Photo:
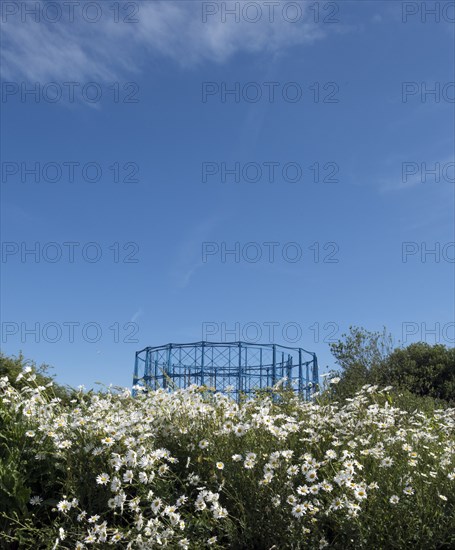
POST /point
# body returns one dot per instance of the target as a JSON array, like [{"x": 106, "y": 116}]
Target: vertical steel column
[
  {"x": 308, "y": 389},
  {"x": 168, "y": 365},
  {"x": 181, "y": 375},
  {"x": 196, "y": 371},
  {"x": 202, "y": 365},
  {"x": 260, "y": 368},
  {"x": 274, "y": 366},
  {"x": 146, "y": 364},
  {"x": 300, "y": 373},
  {"x": 136, "y": 370},
  {"x": 239, "y": 384},
  {"x": 229, "y": 367},
  {"x": 246, "y": 374},
  {"x": 289, "y": 369},
  {"x": 315, "y": 372},
  {"x": 214, "y": 367},
  {"x": 148, "y": 368}
]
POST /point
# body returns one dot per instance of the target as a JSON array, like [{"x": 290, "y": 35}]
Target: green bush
[
  {"x": 13, "y": 369},
  {"x": 422, "y": 369},
  {"x": 192, "y": 469}
]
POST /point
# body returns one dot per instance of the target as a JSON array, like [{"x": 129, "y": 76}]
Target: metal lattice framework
[{"x": 237, "y": 367}]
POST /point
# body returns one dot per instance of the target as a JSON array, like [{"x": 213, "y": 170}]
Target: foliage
[
  {"x": 358, "y": 353},
  {"x": 192, "y": 469},
  {"x": 422, "y": 369},
  {"x": 369, "y": 358},
  {"x": 13, "y": 368}
]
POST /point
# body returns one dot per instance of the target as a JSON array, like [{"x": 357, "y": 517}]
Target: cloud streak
[
  {"x": 413, "y": 174},
  {"x": 106, "y": 50},
  {"x": 188, "y": 258}
]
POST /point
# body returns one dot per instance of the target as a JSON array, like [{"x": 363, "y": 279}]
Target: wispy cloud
[
  {"x": 413, "y": 173},
  {"x": 136, "y": 315},
  {"x": 188, "y": 257},
  {"x": 105, "y": 50}
]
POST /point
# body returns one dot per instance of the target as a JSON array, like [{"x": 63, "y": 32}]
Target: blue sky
[{"x": 353, "y": 248}]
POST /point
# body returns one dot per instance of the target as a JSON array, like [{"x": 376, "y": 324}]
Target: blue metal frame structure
[{"x": 237, "y": 367}]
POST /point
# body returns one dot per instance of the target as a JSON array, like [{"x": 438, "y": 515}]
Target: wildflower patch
[{"x": 188, "y": 469}]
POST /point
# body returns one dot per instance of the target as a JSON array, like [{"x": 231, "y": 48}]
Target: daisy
[
  {"x": 156, "y": 505},
  {"x": 181, "y": 500},
  {"x": 200, "y": 505},
  {"x": 293, "y": 470},
  {"x": 337, "y": 504},
  {"x": 303, "y": 490},
  {"x": 386, "y": 462},
  {"x": 128, "y": 476},
  {"x": 360, "y": 493},
  {"x": 143, "y": 477},
  {"x": 267, "y": 478},
  {"x": 103, "y": 479},
  {"x": 64, "y": 506},
  {"x": 249, "y": 464},
  {"x": 219, "y": 512},
  {"x": 239, "y": 430},
  {"x": 298, "y": 511},
  {"x": 311, "y": 475}
]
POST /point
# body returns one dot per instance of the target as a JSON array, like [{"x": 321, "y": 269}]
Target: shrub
[
  {"x": 369, "y": 358},
  {"x": 192, "y": 469},
  {"x": 422, "y": 369}
]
